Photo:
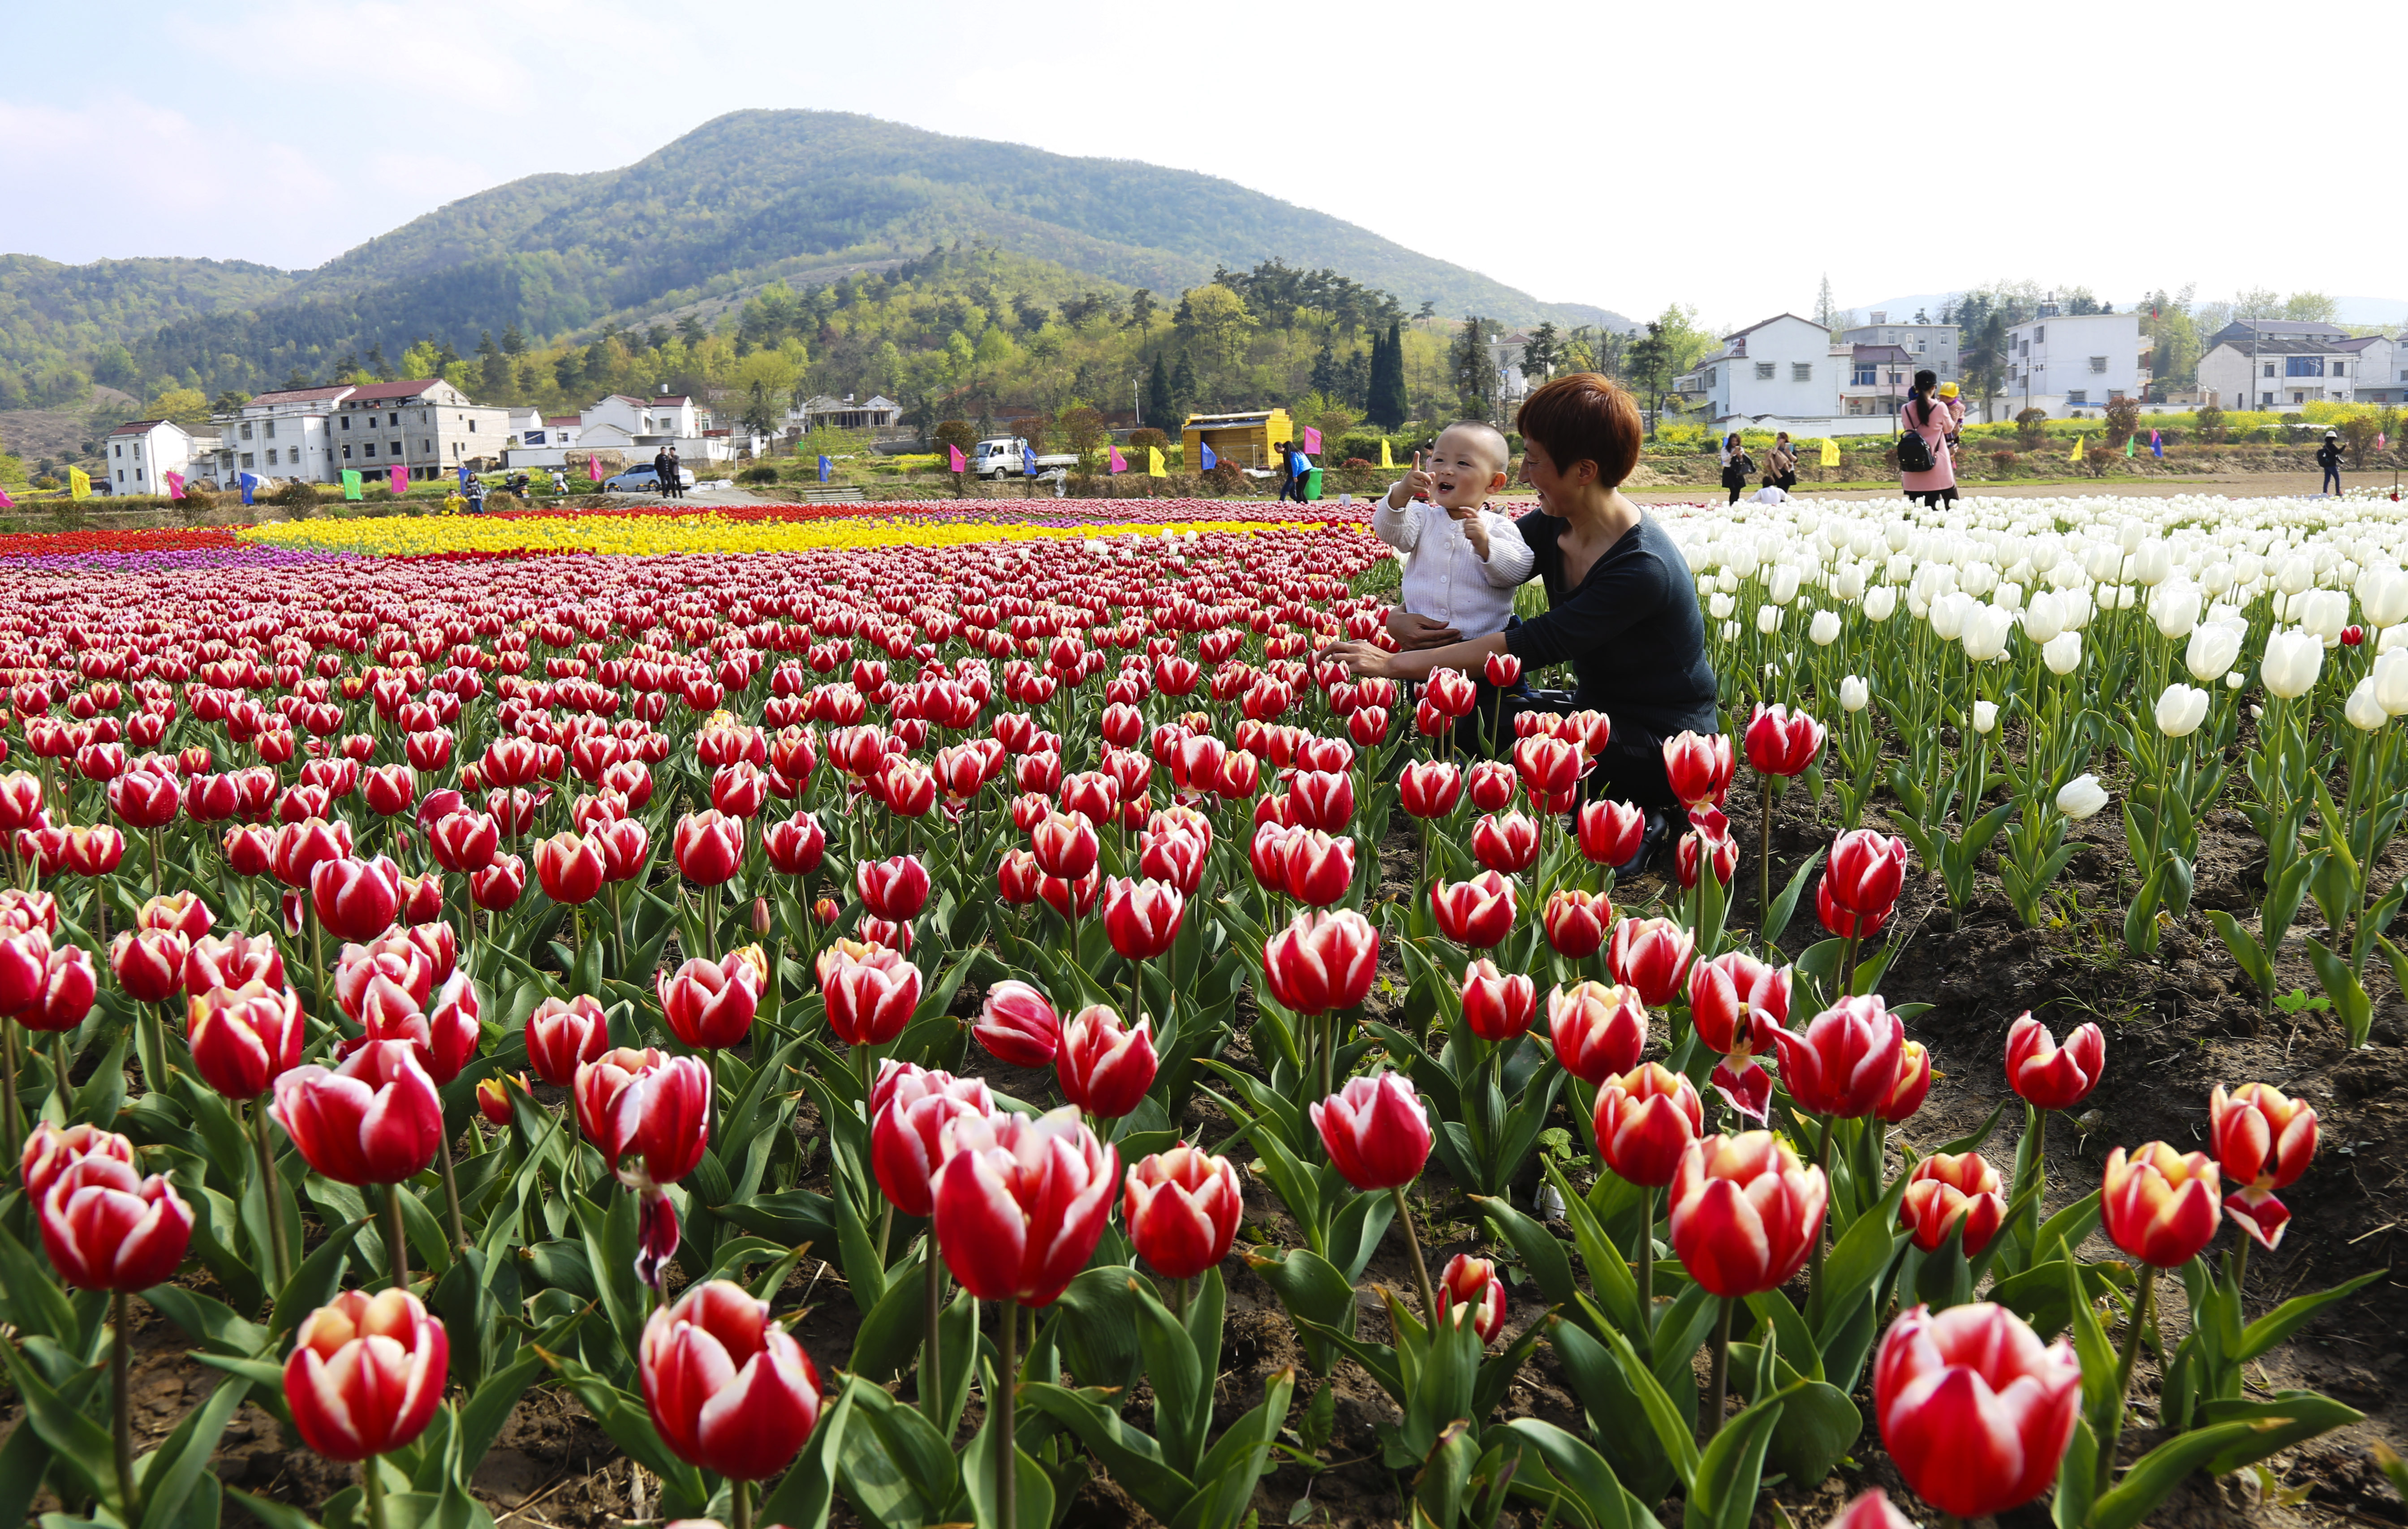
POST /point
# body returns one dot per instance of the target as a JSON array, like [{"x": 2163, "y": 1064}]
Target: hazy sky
[{"x": 1726, "y": 156}]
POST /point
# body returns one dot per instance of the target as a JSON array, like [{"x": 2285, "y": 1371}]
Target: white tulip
[
  {"x": 1720, "y": 605},
  {"x": 2390, "y": 678},
  {"x": 2128, "y": 537},
  {"x": 1986, "y": 717},
  {"x": 2181, "y": 709},
  {"x": 2062, "y": 653},
  {"x": 2234, "y": 680},
  {"x": 1985, "y": 632},
  {"x": 1850, "y": 583},
  {"x": 2324, "y": 613},
  {"x": 2290, "y": 664},
  {"x": 2212, "y": 651},
  {"x": 2295, "y": 573},
  {"x": 1730, "y": 630},
  {"x": 2044, "y": 618},
  {"x": 1768, "y": 619},
  {"x": 2152, "y": 563},
  {"x": 1879, "y": 602},
  {"x": 2364, "y": 711},
  {"x": 2079, "y": 608},
  {"x": 2081, "y": 798},
  {"x": 2384, "y": 595},
  {"x": 1855, "y": 695},
  {"x": 2009, "y": 595},
  {"x": 1948, "y": 614},
  {"x": 1782, "y": 586},
  {"x": 2174, "y": 606},
  {"x": 1825, "y": 628}
]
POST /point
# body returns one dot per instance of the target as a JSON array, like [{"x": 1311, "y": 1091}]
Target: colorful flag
[
  {"x": 249, "y": 482},
  {"x": 2077, "y": 447},
  {"x": 1384, "y": 460},
  {"x": 1116, "y": 462},
  {"x": 79, "y": 484},
  {"x": 1830, "y": 452},
  {"x": 1154, "y": 466},
  {"x": 827, "y": 469},
  {"x": 174, "y": 485},
  {"x": 2156, "y": 447},
  {"x": 1027, "y": 460},
  {"x": 397, "y": 476},
  {"x": 1312, "y": 441},
  {"x": 7, "y": 503},
  {"x": 592, "y": 469},
  {"x": 464, "y": 477},
  {"x": 351, "y": 483},
  {"x": 1211, "y": 461},
  {"x": 955, "y": 461},
  {"x": 2131, "y": 444}
]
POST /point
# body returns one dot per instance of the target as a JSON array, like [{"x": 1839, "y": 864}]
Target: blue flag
[
  {"x": 826, "y": 468},
  {"x": 250, "y": 482},
  {"x": 464, "y": 477},
  {"x": 1028, "y": 460},
  {"x": 1211, "y": 461},
  {"x": 2156, "y": 447}
]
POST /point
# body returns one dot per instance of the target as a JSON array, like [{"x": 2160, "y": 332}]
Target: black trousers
[{"x": 2332, "y": 479}]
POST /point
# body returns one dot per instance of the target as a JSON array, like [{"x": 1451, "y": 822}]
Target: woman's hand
[
  {"x": 1363, "y": 660},
  {"x": 1414, "y": 632}
]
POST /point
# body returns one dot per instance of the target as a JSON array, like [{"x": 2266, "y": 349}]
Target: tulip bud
[
  {"x": 2160, "y": 1205},
  {"x": 366, "y": 1374},
  {"x": 1181, "y": 1208},
  {"x": 1974, "y": 1409},
  {"x": 1376, "y": 1130},
  {"x": 2048, "y": 1076},
  {"x": 106, "y": 1228},
  {"x": 1010, "y": 1234},
  {"x": 1645, "y": 1121},
  {"x": 1104, "y": 1068},
  {"x": 1745, "y": 1213},
  {"x": 1469, "y": 1289}
]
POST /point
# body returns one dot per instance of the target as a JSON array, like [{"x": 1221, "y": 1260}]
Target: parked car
[
  {"x": 643, "y": 480},
  {"x": 999, "y": 457}
]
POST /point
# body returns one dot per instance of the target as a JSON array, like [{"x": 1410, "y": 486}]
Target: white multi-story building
[
  {"x": 284, "y": 433},
  {"x": 2074, "y": 364},
  {"x": 2280, "y": 372},
  {"x": 426, "y": 426},
  {"x": 1781, "y": 367},
  {"x": 2378, "y": 369},
  {"x": 1927, "y": 344},
  {"x": 139, "y": 454}
]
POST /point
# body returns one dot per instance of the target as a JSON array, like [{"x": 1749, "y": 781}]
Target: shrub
[
  {"x": 1146, "y": 435},
  {"x": 2002, "y": 463},
  {"x": 2211, "y": 423},
  {"x": 2123, "y": 418},
  {"x": 297, "y": 499},
  {"x": 2031, "y": 428},
  {"x": 765, "y": 473},
  {"x": 959, "y": 434},
  {"x": 1356, "y": 465},
  {"x": 1224, "y": 480}
]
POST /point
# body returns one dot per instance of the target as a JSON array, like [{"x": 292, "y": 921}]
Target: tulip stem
[
  {"x": 1717, "y": 1371},
  {"x": 743, "y": 1503},
  {"x": 1413, "y": 1245},
  {"x": 8, "y": 1115},
  {"x": 1763, "y": 853},
  {"x": 397, "y": 1240},
  {"x": 1001, "y": 1405},
  {"x": 121, "y": 1402},
  {"x": 270, "y": 1191},
  {"x": 932, "y": 1367},
  {"x": 451, "y": 1194},
  {"x": 1815, "y": 1273},
  {"x": 1647, "y": 1262},
  {"x": 60, "y": 1063},
  {"x": 2143, "y": 1317}
]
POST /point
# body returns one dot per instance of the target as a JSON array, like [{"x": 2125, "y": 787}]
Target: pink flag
[
  {"x": 1312, "y": 441},
  {"x": 592, "y": 469},
  {"x": 955, "y": 461},
  {"x": 174, "y": 485},
  {"x": 7, "y": 503},
  {"x": 2378, "y": 442},
  {"x": 399, "y": 478},
  {"x": 1119, "y": 463}
]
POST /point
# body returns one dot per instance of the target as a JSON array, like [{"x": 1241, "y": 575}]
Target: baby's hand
[
  {"x": 1475, "y": 531},
  {"x": 1416, "y": 485}
]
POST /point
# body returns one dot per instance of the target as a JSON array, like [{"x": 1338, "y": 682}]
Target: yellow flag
[
  {"x": 1154, "y": 466},
  {"x": 1830, "y": 452},
  {"x": 79, "y": 483},
  {"x": 2077, "y": 447},
  {"x": 1385, "y": 461}
]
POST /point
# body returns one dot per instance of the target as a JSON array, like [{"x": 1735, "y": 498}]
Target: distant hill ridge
[{"x": 743, "y": 199}]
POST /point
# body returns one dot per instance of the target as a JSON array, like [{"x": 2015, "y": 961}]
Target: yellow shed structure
[{"x": 1244, "y": 440}]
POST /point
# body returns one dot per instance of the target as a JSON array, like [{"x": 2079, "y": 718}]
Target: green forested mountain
[
  {"x": 64, "y": 327},
  {"x": 749, "y": 198}
]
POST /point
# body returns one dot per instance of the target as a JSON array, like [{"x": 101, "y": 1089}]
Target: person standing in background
[
  {"x": 1781, "y": 465},
  {"x": 2328, "y": 458},
  {"x": 1928, "y": 471},
  {"x": 1737, "y": 465}
]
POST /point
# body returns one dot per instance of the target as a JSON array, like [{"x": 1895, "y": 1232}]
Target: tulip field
[{"x": 892, "y": 1015}]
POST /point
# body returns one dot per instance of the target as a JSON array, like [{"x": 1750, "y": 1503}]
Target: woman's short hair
[{"x": 1584, "y": 417}]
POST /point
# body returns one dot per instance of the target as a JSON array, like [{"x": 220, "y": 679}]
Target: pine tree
[
  {"x": 1475, "y": 373},
  {"x": 1182, "y": 384},
  {"x": 513, "y": 343},
  {"x": 1387, "y": 405},
  {"x": 1827, "y": 312},
  {"x": 1159, "y": 406},
  {"x": 1325, "y": 371}
]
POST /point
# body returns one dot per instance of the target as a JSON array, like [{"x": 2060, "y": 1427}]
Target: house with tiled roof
[{"x": 138, "y": 456}]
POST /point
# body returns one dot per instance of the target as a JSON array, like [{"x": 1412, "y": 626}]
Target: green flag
[
  {"x": 350, "y": 484},
  {"x": 2129, "y": 441}
]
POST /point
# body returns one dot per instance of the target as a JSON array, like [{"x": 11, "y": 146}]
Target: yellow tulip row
[{"x": 420, "y": 536}]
